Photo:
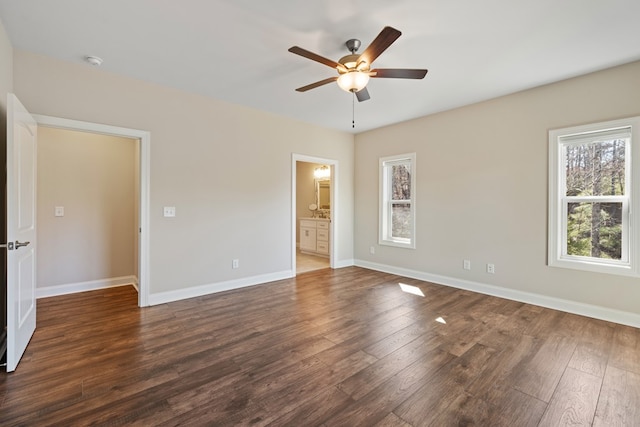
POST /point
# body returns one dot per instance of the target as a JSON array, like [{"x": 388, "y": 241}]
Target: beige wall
[
  {"x": 226, "y": 169},
  {"x": 6, "y": 76},
  {"x": 93, "y": 177},
  {"x": 481, "y": 170},
  {"x": 482, "y": 188}
]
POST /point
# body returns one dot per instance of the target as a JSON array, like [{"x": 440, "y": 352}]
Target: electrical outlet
[
  {"x": 169, "y": 211},
  {"x": 235, "y": 263},
  {"x": 466, "y": 264},
  {"x": 491, "y": 268},
  {"x": 372, "y": 250}
]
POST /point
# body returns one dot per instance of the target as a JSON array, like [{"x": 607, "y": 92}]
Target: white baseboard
[
  {"x": 594, "y": 311},
  {"x": 72, "y": 288},
  {"x": 198, "y": 291},
  {"x": 344, "y": 263},
  {"x": 589, "y": 310}
]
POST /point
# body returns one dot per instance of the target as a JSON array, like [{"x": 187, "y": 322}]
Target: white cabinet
[
  {"x": 314, "y": 236},
  {"x": 307, "y": 237}
]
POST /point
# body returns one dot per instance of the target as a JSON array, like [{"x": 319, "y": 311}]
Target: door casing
[
  {"x": 333, "y": 164},
  {"x": 145, "y": 148}
]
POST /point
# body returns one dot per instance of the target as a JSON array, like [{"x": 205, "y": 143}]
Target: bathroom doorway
[{"x": 314, "y": 213}]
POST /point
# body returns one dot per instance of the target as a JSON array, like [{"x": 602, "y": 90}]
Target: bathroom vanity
[{"x": 314, "y": 236}]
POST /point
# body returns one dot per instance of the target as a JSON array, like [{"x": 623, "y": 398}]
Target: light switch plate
[
  {"x": 59, "y": 211},
  {"x": 169, "y": 211}
]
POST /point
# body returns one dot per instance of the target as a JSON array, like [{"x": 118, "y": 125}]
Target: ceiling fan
[{"x": 355, "y": 70}]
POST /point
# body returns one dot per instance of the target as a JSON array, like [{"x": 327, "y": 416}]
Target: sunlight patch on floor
[{"x": 411, "y": 289}]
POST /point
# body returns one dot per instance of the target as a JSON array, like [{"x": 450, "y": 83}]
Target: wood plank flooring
[{"x": 329, "y": 348}]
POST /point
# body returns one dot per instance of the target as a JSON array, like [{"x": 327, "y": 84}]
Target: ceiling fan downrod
[{"x": 353, "y": 45}]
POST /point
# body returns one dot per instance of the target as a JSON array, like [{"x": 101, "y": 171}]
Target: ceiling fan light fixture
[
  {"x": 354, "y": 70},
  {"x": 353, "y": 81}
]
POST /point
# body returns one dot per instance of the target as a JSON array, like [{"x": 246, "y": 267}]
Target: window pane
[
  {"x": 401, "y": 220},
  {"x": 401, "y": 182},
  {"x": 595, "y": 230},
  {"x": 596, "y": 168}
]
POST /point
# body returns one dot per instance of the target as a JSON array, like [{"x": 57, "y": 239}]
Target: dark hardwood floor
[{"x": 332, "y": 347}]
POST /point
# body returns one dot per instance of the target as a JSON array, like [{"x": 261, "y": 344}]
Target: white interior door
[{"x": 21, "y": 229}]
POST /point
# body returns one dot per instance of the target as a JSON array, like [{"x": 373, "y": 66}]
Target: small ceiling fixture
[
  {"x": 322, "y": 172},
  {"x": 93, "y": 60}
]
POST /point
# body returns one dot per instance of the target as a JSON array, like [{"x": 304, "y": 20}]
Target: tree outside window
[
  {"x": 595, "y": 173},
  {"x": 397, "y": 204},
  {"x": 591, "y": 197}
]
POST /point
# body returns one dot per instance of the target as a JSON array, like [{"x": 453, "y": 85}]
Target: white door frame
[
  {"x": 333, "y": 195},
  {"x": 145, "y": 143}
]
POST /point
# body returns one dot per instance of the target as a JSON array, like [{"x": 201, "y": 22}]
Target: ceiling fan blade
[
  {"x": 386, "y": 37},
  {"x": 316, "y": 84},
  {"x": 398, "y": 73},
  {"x": 315, "y": 57},
  {"x": 362, "y": 94}
]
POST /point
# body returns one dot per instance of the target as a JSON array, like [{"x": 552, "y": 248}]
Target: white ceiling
[{"x": 236, "y": 50}]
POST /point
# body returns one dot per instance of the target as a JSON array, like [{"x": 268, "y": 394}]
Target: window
[
  {"x": 592, "y": 197},
  {"x": 397, "y": 201}
]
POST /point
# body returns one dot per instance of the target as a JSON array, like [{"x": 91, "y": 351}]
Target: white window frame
[
  {"x": 384, "y": 235},
  {"x": 559, "y": 139}
]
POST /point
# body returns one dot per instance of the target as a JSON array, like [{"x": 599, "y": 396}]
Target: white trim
[
  {"x": 334, "y": 223},
  {"x": 145, "y": 180},
  {"x": 73, "y": 288},
  {"x": 344, "y": 263},
  {"x": 582, "y": 309},
  {"x": 385, "y": 215},
  {"x": 202, "y": 290},
  {"x": 556, "y": 241}
]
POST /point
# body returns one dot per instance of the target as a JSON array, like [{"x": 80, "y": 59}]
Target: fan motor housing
[
  {"x": 353, "y": 45},
  {"x": 351, "y": 62}
]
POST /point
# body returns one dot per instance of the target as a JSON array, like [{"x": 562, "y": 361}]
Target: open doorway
[
  {"x": 313, "y": 213},
  {"x": 87, "y": 210},
  {"x": 141, "y": 140}
]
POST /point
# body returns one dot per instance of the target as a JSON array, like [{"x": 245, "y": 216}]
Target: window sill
[
  {"x": 595, "y": 267},
  {"x": 397, "y": 244}
]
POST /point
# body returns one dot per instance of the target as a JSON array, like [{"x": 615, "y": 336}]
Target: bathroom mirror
[{"x": 323, "y": 194}]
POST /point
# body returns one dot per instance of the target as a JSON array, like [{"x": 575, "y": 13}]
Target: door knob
[{"x": 20, "y": 244}]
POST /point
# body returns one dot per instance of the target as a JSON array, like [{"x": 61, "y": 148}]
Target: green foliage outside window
[
  {"x": 401, "y": 195},
  {"x": 594, "y": 229}
]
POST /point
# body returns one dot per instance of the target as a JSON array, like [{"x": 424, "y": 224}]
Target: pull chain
[{"x": 353, "y": 111}]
